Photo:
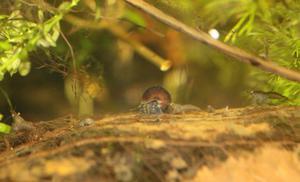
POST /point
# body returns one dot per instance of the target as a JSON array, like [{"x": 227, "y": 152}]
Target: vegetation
[
  {"x": 20, "y": 36},
  {"x": 81, "y": 59},
  {"x": 266, "y": 28},
  {"x": 271, "y": 29}
]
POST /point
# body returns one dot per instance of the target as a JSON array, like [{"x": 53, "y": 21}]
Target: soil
[{"x": 242, "y": 144}]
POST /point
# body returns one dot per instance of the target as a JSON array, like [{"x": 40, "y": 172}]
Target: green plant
[
  {"x": 19, "y": 36},
  {"x": 268, "y": 27},
  {"x": 4, "y": 128}
]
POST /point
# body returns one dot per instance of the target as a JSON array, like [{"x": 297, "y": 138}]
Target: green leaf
[
  {"x": 3, "y": 17},
  {"x": 134, "y": 18},
  {"x": 4, "y": 128},
  {"x": 5, "y": 45},
  {"x": 24, "y": 68},
  {"x": 66, "y": 6}
]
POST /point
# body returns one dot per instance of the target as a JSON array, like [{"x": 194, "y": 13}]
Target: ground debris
[{"x": 192, "y": 146}]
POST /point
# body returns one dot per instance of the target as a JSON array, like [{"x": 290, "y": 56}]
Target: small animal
[
  {"x": 262, "y": 98},
  {"x": 155, "y": 100},
  {"x": 20, "y": 124}
]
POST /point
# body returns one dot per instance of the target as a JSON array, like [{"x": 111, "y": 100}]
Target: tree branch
[
  {"x": 203, "y": 37},
  {"x": 162, "y": 63}
]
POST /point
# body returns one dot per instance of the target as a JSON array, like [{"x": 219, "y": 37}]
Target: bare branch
[{"x": 203, "y": 37}]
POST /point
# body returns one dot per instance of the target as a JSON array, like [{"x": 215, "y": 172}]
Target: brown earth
[{"x": 243, "y": 144}]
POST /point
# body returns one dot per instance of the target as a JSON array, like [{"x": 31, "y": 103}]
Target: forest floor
[{"x": 242, "y": 144}]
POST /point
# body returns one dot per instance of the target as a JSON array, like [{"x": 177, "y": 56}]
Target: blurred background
[{"x": 98, "y": 64}]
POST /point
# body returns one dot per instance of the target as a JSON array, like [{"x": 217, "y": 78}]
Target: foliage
[
  {"x": 271, "y": 27},
  {"x": 267, "y": 28},
  {"x": 4, "y": 128},
  {"x": 19, "y": 36}
]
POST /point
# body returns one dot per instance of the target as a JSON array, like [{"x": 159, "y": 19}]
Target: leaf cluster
[{"x": 19, "y": 36}]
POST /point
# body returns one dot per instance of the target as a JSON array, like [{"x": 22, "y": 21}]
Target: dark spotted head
[
  {"x": 151, "y": 107},
  {"x": 156, "y": 99}
]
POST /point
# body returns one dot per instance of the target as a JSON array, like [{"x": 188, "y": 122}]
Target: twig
[
  {"x": 7, "y": 99},
  {"x": 203, "y": 37},
  {"x": 163, "y": 64},
  {"x": 71, "y": 51}
]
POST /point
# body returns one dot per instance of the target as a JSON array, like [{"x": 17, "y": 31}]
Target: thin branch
[
  {"x": 162, "y": 63},
  {"x": 203, "y": 37},
  {"x": 144, "y": 51},
  {"x": 71, "y": 51},
  {"x": 7, "y": 99}
]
